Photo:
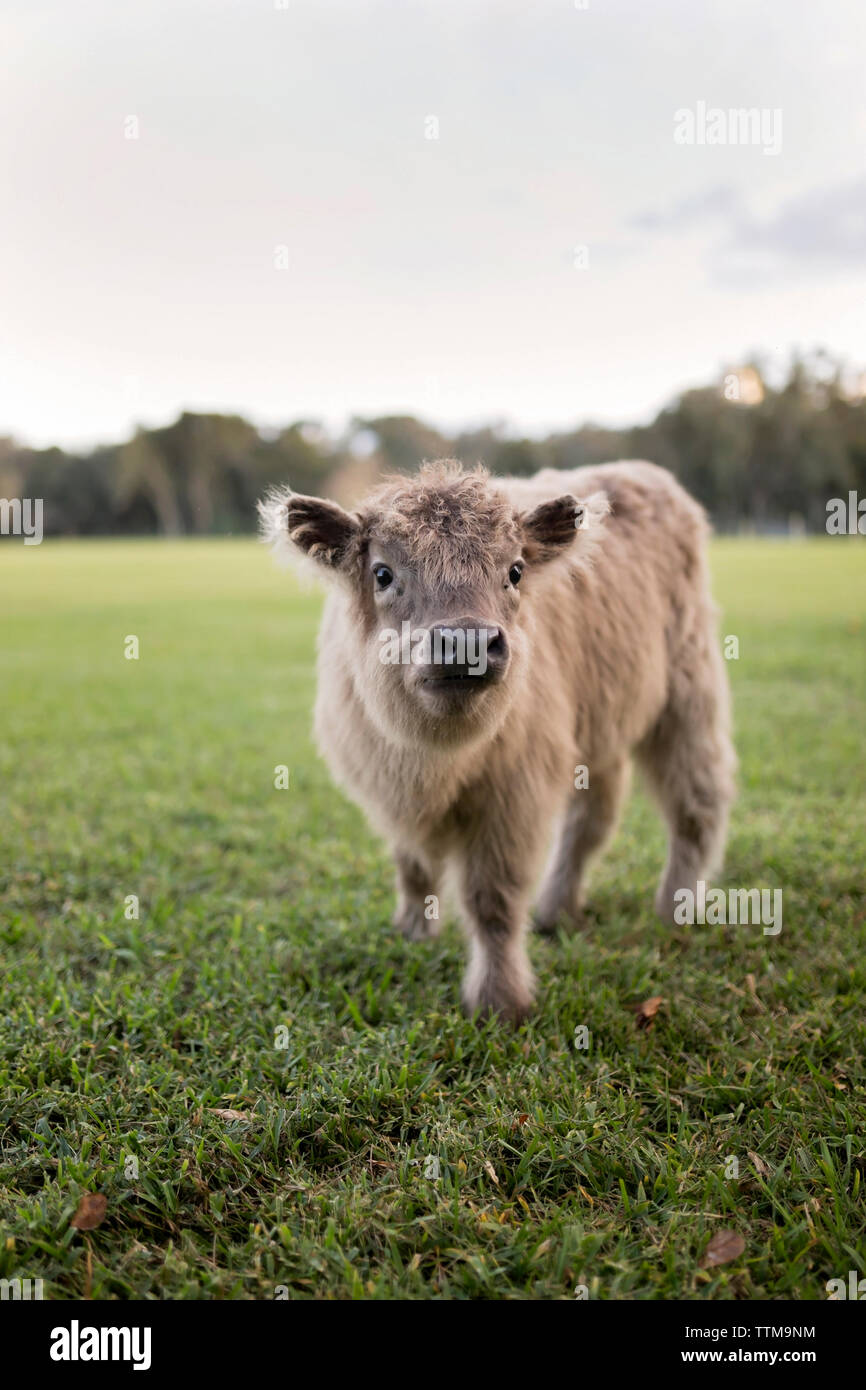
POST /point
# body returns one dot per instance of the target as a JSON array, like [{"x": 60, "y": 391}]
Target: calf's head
[{"x": 436, "y": 579}]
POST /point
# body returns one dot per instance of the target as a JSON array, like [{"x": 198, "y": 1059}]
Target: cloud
[
  {"x": 824, "y": 227},
  {"x": 721, "y": 201},
  {"x": 819, "y": 232}
]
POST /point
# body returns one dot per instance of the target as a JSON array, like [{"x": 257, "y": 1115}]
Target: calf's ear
[
  {"x": 308, "y": 526},
  {"x": 553, "y": 526}
]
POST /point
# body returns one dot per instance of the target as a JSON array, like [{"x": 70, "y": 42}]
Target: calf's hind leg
[
  {"x": 588, "y": 822},
  {"x": 690, "y": 763}
]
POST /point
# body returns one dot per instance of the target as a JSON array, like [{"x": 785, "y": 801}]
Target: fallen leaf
[
  {"x": 488, "y": 1168},
  {"x": 646, "y": 1012},
  {"x": 724, "y": 1247},
  {"x": 760, "y": 1166},
  {"x": 91, "y": 1212},
  {"x": 231, "y": 1114}
]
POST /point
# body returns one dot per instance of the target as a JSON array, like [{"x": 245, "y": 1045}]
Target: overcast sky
[{"x": 439, "y": 276}]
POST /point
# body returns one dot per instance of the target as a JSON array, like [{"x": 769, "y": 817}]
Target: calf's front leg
[
  {"x": 499, "y": 978},
  {"x": 417, "y": 913}
]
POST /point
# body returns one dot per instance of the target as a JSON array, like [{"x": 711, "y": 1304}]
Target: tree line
[{"x": 757, "y": 454}]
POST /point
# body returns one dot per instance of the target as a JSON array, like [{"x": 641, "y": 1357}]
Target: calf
[{"x": 484, "y": 637}]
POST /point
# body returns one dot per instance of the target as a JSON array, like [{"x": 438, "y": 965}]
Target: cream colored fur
[{"x": 614, "y": 656}]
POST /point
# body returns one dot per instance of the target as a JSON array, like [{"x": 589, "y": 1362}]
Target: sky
[{"x": 467, "y": 211}]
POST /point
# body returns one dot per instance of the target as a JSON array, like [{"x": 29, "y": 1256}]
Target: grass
[{"x": 262, "y": 976}]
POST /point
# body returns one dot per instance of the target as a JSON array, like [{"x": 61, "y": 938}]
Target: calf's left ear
[
  {"x": 308, "y": 526},
  {"x": 553, "y": 526}
]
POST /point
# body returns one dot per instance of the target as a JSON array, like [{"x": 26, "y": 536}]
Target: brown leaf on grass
[
  {"x": 231, "y": 1114},
  {"x": 760, "y": 1166},
  {"x": 646, "y": 1012},
  {"x": 91, "y": 1212},
  {"x": 724, "y": 1247}
]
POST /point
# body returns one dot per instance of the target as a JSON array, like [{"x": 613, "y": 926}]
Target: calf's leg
[
  {"x": 417, "y": 913},
  {"x": 495, "y": 884},
  {"x": 589, "y": 821},
  {"x": 690, "y": 764}
]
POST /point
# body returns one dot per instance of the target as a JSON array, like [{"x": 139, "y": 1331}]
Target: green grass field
[{"x": 264, "y": 920}]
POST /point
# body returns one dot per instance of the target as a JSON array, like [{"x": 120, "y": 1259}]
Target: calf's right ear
[{"x": 308, "y": 526}]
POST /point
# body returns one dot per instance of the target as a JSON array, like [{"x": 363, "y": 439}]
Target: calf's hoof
[
  {"x": 669, "y": 899},
  {"x": 548, "y": 924},
  {"x": 496, "y": 1001},
  {"x": 412, "y": 923}
]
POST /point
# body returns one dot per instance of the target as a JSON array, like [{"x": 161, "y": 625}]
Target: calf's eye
[
  {"x": 382, "y": 575},
  {"x": 514, "y": 574}
]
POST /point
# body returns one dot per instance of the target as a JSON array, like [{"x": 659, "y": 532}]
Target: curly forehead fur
[{"x": 447, "y": 521}]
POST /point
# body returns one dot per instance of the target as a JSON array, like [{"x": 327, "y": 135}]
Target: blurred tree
[{"x": 752, "y": 452}]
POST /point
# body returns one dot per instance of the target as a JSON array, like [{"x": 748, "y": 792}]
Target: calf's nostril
[{"x": 496, "y": 644}]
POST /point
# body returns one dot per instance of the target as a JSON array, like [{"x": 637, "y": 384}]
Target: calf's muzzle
[{"x": 469, "y": 651}]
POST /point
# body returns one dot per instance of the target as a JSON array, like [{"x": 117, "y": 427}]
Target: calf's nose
[{"x": 470, "y": 647}]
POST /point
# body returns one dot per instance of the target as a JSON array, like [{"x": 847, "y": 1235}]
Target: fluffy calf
[{"x": 482, "y": 639}]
